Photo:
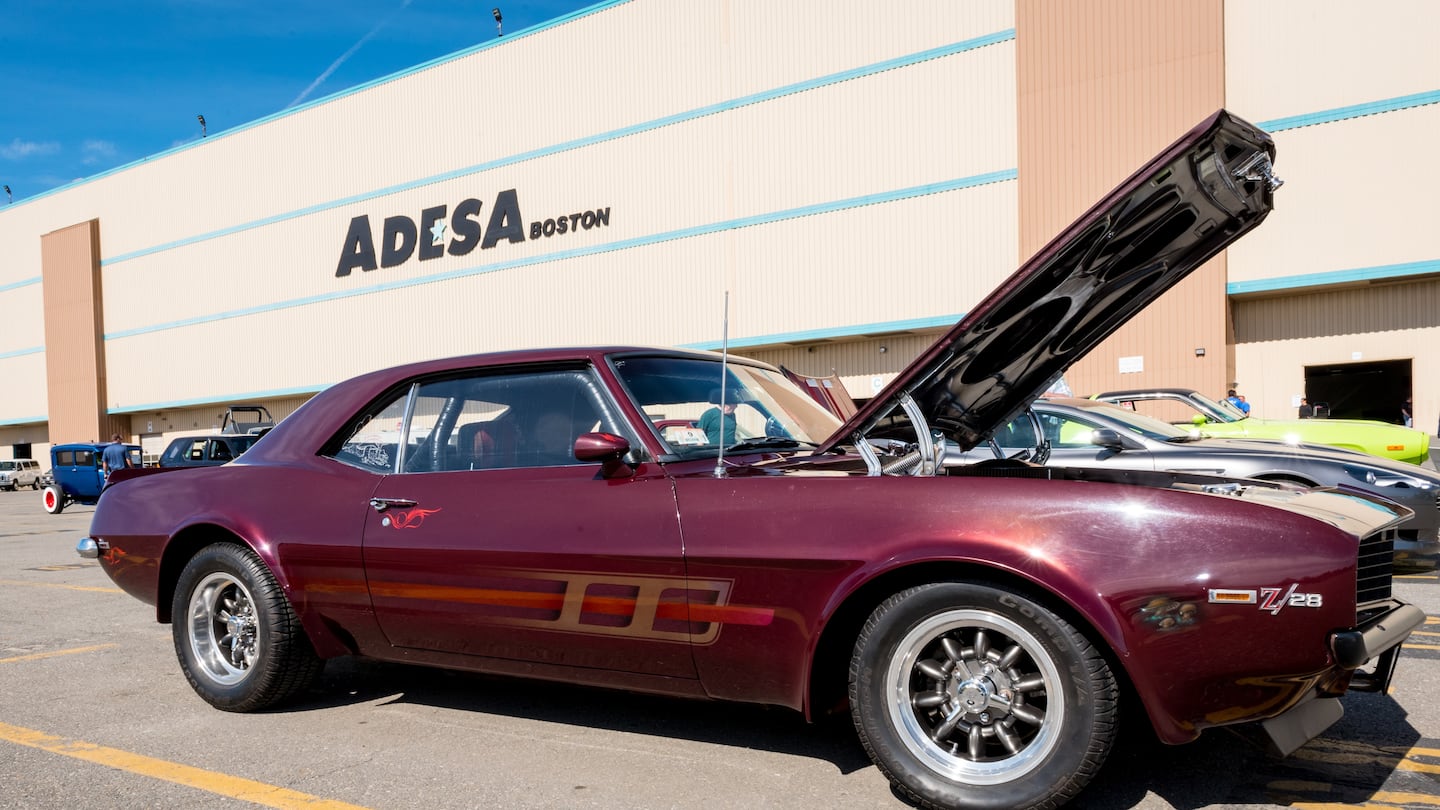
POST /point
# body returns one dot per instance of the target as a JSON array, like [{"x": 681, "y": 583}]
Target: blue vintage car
[{"x": 77, "y": 474}]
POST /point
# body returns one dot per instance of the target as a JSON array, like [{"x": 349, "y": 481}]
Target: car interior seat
[{"x": 488, "y": 445}]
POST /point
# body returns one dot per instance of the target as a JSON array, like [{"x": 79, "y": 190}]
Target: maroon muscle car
[{"x": 521, "y": 513}]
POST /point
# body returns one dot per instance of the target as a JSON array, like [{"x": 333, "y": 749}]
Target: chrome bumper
[
  {"x": 88, "y": 548},
  {"x": 1379, "y": 637}
]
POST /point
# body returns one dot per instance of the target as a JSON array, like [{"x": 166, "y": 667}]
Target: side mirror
[
  {"x": 1197, "y": 419},
  {"x": 1107, "y": 438},
  {"x": 606, "y": 448}
]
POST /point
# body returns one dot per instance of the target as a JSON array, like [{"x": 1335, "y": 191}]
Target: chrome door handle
[{"x": 381, "y": 504}]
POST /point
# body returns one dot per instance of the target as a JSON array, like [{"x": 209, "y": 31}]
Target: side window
[
  {"x": 219, "y": 451},
  {"x": 197, "y": 450},
  {"x": 65, "y": 458},
  {"x": 85, "y": 458},
  {"x": 1016, "y": 436},
  {"x": 480, "y": 422},
  {"x": 1069, "y": 432},
  {"x": 518, "y": 420},
  {"x": 374, "y": 444}
]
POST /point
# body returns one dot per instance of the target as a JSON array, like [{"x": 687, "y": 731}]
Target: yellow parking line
[
  {"x": 1405, "y": 799},
  {"x": 233, "y": 787},
  {"x": 1422, "y": 646},
  {"x": 96, "y": 588},
  {"x": 53, "y": 653}
]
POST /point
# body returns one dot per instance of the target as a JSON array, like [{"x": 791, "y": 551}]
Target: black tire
[
  {"x": 35, "y": 485},
  {"x": 53, "y": 499},
  {"x": 980, "y": 667},
  {"x": 239, "y": 642}
]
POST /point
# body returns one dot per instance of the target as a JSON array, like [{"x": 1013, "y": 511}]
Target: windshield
[
  {"x": 682, "y": 396},
  {"x": 7, "y": 465},
  {"x": 1216, "y": 411}
]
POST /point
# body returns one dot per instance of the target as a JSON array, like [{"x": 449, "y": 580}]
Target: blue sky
[{"x": 87, "y": 86}]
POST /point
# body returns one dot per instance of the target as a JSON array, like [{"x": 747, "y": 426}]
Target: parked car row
[
  {"x": 1220, "y": 419},
  {"x": 1092, "y": 434}
]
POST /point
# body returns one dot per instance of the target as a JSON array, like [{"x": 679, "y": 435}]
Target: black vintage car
[{"x": 205, "y": 451}]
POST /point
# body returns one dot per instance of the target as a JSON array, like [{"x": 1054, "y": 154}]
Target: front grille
[{"x": 1372, "y": 575}]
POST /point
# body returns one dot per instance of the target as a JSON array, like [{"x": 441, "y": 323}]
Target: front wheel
[
  {"x": 238, "y": 640},
  {"x": 53, "y": 499},
  {"x": 972, "y": 696}
]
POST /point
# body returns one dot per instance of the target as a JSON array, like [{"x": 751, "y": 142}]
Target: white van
[{"x": 20, "y": 472}]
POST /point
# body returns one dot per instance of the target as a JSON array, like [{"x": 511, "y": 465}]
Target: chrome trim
[{"x": 88, "y": 548}]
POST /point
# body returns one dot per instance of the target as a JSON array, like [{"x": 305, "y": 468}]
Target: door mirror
[
  {"x": 606, "y": 448},
  {"x": 1107, "y": 438}
]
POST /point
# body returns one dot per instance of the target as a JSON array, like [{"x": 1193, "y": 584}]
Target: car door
[{"x": 494, "y": 541}]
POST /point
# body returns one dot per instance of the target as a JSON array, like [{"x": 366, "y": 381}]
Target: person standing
[
  {"x": 1238, "y": 401},
  {"x": 719, "y": 421},
  {"x": 1405, "y": 415},
  {"x": 114, "y": 456}
]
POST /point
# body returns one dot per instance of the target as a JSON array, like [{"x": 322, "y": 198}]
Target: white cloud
[
  {"x": 19, "y": 150},
  {"x": 304, "y": 94},
  {"x": 97, "y": 152}
]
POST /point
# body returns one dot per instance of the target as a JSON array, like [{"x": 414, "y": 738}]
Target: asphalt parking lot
[{"x": 94, "y": 713}]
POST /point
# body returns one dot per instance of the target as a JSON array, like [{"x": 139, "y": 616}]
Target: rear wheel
[
  {"x": 970, "y": 696},
  {"x": 53, "y": 500},
  {"x": 238, "y": 640}
]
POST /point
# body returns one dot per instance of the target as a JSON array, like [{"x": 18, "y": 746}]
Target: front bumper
[{"x": 1379, "y": 637}]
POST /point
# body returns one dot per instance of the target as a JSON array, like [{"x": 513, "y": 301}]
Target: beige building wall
[
  {"x": 1277, "y": 337},
  {"x": 864, "y": 190},
  {"x": 1102, "y": 86},
  {"x": 1345, "y": 269},
  {"x": 700, "y": 201},
  {"x": 75, "y": 363}
]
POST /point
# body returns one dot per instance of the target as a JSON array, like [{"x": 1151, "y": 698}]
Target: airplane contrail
[{"x": 343, "y": 57}]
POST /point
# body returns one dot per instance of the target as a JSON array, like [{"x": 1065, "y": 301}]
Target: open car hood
[{"x": 1184, "y": 206}]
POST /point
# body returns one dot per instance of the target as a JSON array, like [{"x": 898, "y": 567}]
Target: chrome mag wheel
[
  {"x": 971, "y": 693},
  {"x": 225, "y": 637}
]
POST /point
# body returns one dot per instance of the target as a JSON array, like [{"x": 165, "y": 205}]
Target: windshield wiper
[{"x": 768, "y": 441}]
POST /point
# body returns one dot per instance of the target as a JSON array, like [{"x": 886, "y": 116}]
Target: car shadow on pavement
[
  {"x": 1347, "y": 764},
  {"x": 348, "y": 681}
]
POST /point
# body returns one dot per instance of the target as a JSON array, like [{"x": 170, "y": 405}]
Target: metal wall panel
[
  {"x": 1298, "y": 57},
  {"x": 22, "y": 354},
  {"x": 75, "y": 362},
  {"x": 1102, "y": 86},
  {"x": 1276, "y": 338},
  {"x": 1358, "y": 194},
  {"x": 698, "y": 206}
]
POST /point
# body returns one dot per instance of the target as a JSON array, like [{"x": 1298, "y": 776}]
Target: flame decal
[{"x": 409, "y": 519}]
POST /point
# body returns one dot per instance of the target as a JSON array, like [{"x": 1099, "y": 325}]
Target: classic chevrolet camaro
[{"x": 523, "y": 513}]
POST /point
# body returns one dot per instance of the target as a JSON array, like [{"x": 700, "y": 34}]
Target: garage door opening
[{"x": 1360, "y": 390}]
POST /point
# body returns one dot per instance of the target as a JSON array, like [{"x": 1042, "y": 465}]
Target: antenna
[{"x": 724, "y": 375}]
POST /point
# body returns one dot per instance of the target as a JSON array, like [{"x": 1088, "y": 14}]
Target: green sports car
[{"x": 1223, "y": 420}]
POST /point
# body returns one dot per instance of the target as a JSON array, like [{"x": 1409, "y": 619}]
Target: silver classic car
[{"x": 1090, "y": 433}]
